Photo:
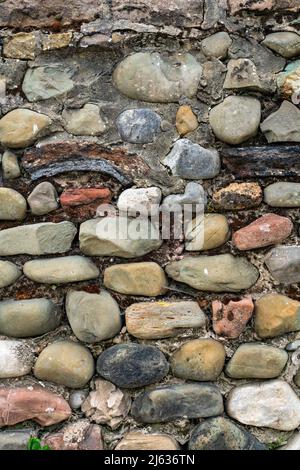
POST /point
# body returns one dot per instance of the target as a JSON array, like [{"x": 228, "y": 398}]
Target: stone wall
[{"x": 149, "y": 343}]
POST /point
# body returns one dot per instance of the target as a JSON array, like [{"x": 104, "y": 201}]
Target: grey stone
[
  {"x": 293, "y": 346},
  {"x": 257, "y": 361},
  {"x": 42, "y": 83},
  {"x": 140, "y": 200},
  {"x": 16, "y": 359},
  {"x": 37, "y": 239},
  {"x": 219, "y": 273},
  {"x": 93, "y": 317},
  {"x": 193, "y": 194},
  {"x": 283, "y": 125},
  {"x": 110, "y": 236},
  {"x": 12, "y": 205},
  {"x": 13, "y": 71},
  {"x": 282, "y": 194},
  {"x": 9, "y": 273},
  {"x": 138, "y": 126},
  {"x": 84, "y": 121},
  {"x": 16, "y": 439},
  {"x": 242, "y": 75},
  {"x": 77, "y": 398},
  {"x": 217, "y": 45},
  {"x": 10, "y": 165},
  {"x": 43, "y": 199},
  {"x": 131, "y": 365},
  {"x": 285, "y": 43},
  {"x": 171, "y": 402},
  {"x": 191, "y": 161},
  {"x": 61, "y": 270},
  {"x": 25, "y": 318},
  {"x": 236, "y": 119},
  {"x": 158, "y": 78},
  {"x": 222, "y": 434},
  {"x": 271, "y": 404},
  {"x": 293, "y": 443},
  {"x": 283, "y": 262}
]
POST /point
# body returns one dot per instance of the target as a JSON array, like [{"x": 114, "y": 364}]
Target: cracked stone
[{"x": 242, "y": 75}]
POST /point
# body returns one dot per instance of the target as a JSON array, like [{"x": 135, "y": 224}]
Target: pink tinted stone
[
  {"x": 81, "y": 435},
  {"x": 21, "y": 404},
  {"x": 270, "y": 229},
  {"x": 262, "y": 5},
  {"x": 231, "y": 319}
]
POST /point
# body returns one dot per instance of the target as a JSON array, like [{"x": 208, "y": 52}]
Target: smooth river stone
[
  {"x": 65, "y": 363},
  {"x": 9, "y": 273},
  {"x": 270, "y": 229},
  {"x": 43, "y": 199},
  {"x": 26, "y": 318},
  {"x": 146, "y": 278},
  {"x": 93, "y": 317},
  {"x": 42, "y": 83},
  {"x": 257, "y": 361},
  {"x": 118, "y": 236},
  {"x": 61, "y": 270},
  {"x": 216, "y": 45},
  {"x": 285, "y": 43},
  {"x": 137, "y": 440},
  {"x": 21, "y": 127},
  {"x": 138, "y": 126},
  {"x": 16, "y": 358},
  {"x": 219, "y": 273},
  {"x": 238, "y": 196},
  {"x": 170, "y": 402},
  {"x": 131, "y": 365},
  {"x": 230, "y": 319},
  {"x": 275, "y": 315},
  {"x": 10, "y": 165},
  {"x": 236, "y": 120},
  {"x": 282, "y": 194},
  {"x": 158, "y": 78},
  {"x": 206, "y": 232},
  {"x": 222, "y": 434},
  {"x": 163, "y": 319},
  {"x": 283, "y": 262},
  {"x": 12, "y": 205},
  {"x": 271, "y": 404},
  {"x": 199, "y": 359}
]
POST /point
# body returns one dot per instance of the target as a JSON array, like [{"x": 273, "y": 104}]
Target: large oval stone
[
  {"x": 93, "y": 317},
  {"x": 132, "y": 365},
  {"x": 65, "y": 363},
  {"x": 256, "y": 361},
  {"x": 276, "y": 315},
  {"x": 220, "y": 273},
  {"x": 9, "y": 273},
  {"x": 12, "y": 205},
  {"x": 21, "y": 127},
  {"x": 238, "y": 196},
  {"x": 138, "y": 126},
  {"x": 282, "y": 194},
  {"x": 171, "y": 402},
  {"x": 206, "y": 232},
  {"x": 283, "y": 262},
  {"x": 271, "y": 404},
  {"x": 16, "y": 358},
  {"x": 25, "y": 318},
  {"x": 158, "y": 78}
]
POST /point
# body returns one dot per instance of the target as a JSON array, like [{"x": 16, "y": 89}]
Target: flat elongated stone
[
  {"x": 297, "y": 378},
  {"x": 170, "y": 402},
  {"x": 256, "y": 361},
  {"x": 25, "y": 318},
  {"x": 262, "y": 5},
  {"x": 271, "y": 404},
  {"x": 21, "y": 46},
  {"x": 199, "y": 359},
  {"x": 238, "y": 196},
  {"x": 43, "y": 199},
  {"x": 61, "y": 270},
  {"x": 191, "y": 161},
  {"x": 139, "y": 126},
  {"x": 284, "y": 43},
  {"x": 42, "y": 83},
  {"x": 10, "y": 165},
  {"x": 137, "y": 440},
  {"x": 131, "y": 365},
  {"x": 216, "y": 45},
  {"x": 144, "y": 201},
  {"x": 270, "y": 229},
  {"x": 276, "y": 315},
  {"x": 65, "y": 363},
  {"x": 220, "y": 273},
  {"x": 206, "y": 232},
  {"x": 222, "y": 434},
  {"x": 84, "y": 121},
  {"x": 163, "y": 319},
  {"x": 110, "y": 236},
  {"x": 186, "y": 120},
  {"x": 9, "y": 273},
  {"x": 93, "y": 317},
  {"x": 282, "y": 194},
  {"x": 146, "y": 278},
  {"x": 82, "y": 196},
  {"x": 37, "y": 239},
  {"x": 79, "y": 435},
  {"x": 16, "y": 439},
  {"x": 12, "y": 205},
  {"x": 283, "y": 125},
  {"x": 56, "y": 41},
  {"x": 230, "y": 319},
  {"x": 16, "y": 358},
  {"x": 21, "y": 127},
  {"x": 283, "y": 262},
  {"x": 158, "y": 78},
  {"x": 24, "y": 403}
]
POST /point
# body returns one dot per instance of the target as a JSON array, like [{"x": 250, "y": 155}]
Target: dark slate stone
[
  {"x": 222, "y": 434},
  {"x": 283, "y": 262},
  {"x": 170, "y": 402},
  {"x": 253, "y": 162},
  {"x": 132, "y": 365},
  {"x": 138, "y": 126}
]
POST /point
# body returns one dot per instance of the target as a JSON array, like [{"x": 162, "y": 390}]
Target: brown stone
[
  {"x": 137, "y": 440},
  {"x": 270, "y": 229},
  {"x": 81, "y": 435},
  {"x": 20, "y": 46},
  {"x": 80, "y": 196},
  {"x": 21, "y": 404},
  {"x": 186, "y": 121},
  {"x": 56, "y": 41},
  {"x": 262, "y": 5},
  {"x": 238, "y": 196},
  {"x": 230, "y": 319}
]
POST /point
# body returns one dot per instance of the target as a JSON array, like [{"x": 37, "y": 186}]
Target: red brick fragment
[
  {"x": 230, "y": 319},
  {"x": 81, "y": 196}
]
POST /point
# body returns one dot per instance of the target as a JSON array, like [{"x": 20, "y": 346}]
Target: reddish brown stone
[
  {"x": 231, "y": 319},
  {"x": 21, "y": 404},
  {"x": 269, "y": 229},
  {"x": 262, "y": 5},
  {"x": 80, "y": 435},
  {"x": 80, "y": 196}
]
